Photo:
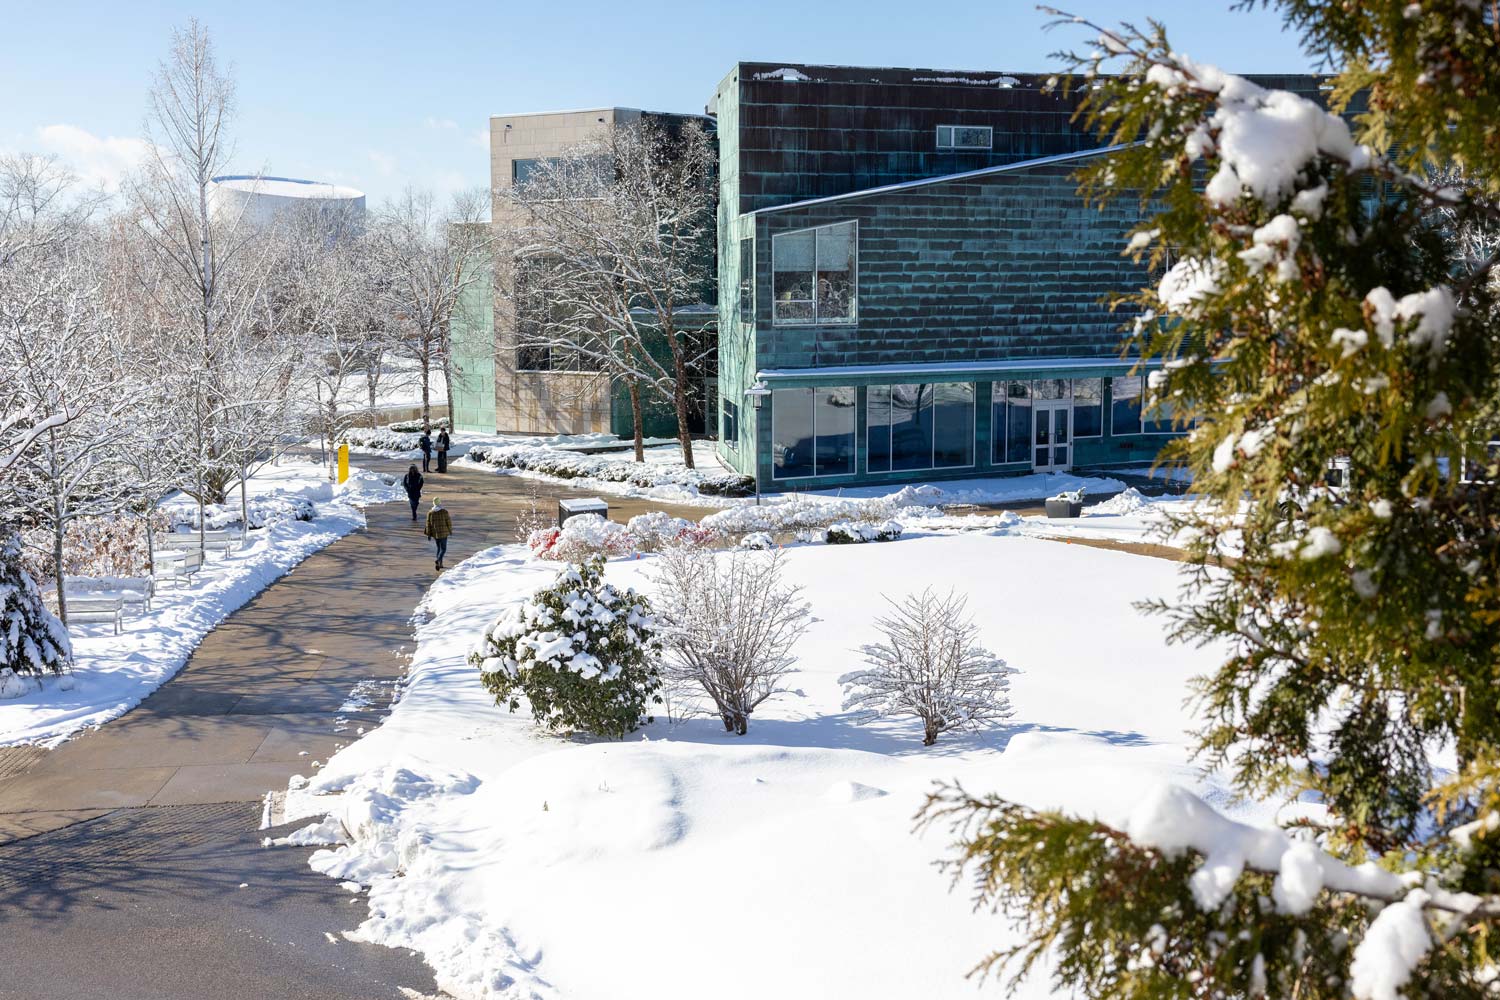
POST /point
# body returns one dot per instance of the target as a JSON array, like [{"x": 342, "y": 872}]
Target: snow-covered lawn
[
  {"x": 683, "y": 862},
  {"x": 112, "y": 673}
]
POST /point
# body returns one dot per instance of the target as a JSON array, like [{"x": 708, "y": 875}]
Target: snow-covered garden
[{"x": 481, "y": 841}]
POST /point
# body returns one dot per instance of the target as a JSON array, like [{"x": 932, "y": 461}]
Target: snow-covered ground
[
  {"x": 682, "y": 861},
  {"x": 112, "y": 673}
]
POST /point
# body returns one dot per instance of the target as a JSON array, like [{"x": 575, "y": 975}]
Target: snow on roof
[
  {"x": 787, "y": 73},
  {"x": 1004, "y": 168},
  {"x": 1109, "y": 365},
  {"x": 286, "y": 187},
  {"x": 1003, "y": 82}
]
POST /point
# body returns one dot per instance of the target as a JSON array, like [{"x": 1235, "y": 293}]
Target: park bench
[
  {"x": 221, "y": 540},
  {"x": 98, "y": 608},
  {"x": 176, "y": 566},
  {"x": 130, "y": 589}
]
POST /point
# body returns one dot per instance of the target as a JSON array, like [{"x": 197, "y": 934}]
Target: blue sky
[{"x": 382, "y": 95}]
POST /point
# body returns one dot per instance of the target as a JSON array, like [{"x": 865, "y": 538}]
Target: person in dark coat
[
  {"x": 442, "y": 449},
  {"x": 425, "y": 443},
  {"x": 412, "y": 483},
  {"x": 439, "y": 527}
]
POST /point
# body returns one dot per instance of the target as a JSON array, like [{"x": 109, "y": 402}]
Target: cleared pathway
[{"x": 130, "y": 862}]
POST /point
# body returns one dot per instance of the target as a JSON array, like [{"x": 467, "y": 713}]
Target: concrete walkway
[{"x": 133, "y": 867}]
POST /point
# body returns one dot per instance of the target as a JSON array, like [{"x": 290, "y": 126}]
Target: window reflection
[
  {"x": 812, "y": 431},
  {"x": 814, "y": 274}
]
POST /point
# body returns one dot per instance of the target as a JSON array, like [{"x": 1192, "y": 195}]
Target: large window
[
  {"x": 578, "y": 176},
  {"x": 1158, "y": 418},
  {"x": 813, "y": 275},
  {"x": 964, "y": 137},
  {"x": 1125, "y": 405},
  {"x": 919, "y": 426},
  {"x": 547, "y": 340},
  {"x": 747, "y": 281},
  {"x": 812, "y": 431},
  {"x": 1010, "y": 422},
  {"x": 1088, "y": 407}
]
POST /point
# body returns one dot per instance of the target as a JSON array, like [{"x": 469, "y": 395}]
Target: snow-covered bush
[
  {"x": 581, "y": 538},
  {"x": 583, "y": 653},
  {"x": 32, "y": 640},
  {"x": 850, "y": 533},
  {"x": 563, "y": 464},
  {"x": 383, "y": 438},
  {"x": 264, "y": 512},
  {"x": 932, "y": 666},
  {"x": 656, "y": 529},
  {"x": 1069, "y": 496},
  {"x": 818, "y": 512},
  {"x": 729, "y": 625},
  {"x": 414, "y": 426},
  {"x": 758, "y": 540}
]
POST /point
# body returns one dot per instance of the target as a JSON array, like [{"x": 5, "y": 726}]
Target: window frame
[
  {"x": 932, "y": 465},
  {"x": 853, "y": 318},
  {"x": 952, "y": 146}
]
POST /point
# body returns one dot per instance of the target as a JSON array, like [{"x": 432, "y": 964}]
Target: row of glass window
[{"x": 930, "y": 425}]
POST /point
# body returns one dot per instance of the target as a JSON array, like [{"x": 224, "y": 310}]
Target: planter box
[{"x": 1064, "y": 508}]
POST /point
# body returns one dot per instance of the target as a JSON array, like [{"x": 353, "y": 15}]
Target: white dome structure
[{"x": 260, "y": 200}]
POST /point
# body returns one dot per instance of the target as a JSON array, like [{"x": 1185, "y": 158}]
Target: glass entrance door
[{"x": 1050, "y": 437}]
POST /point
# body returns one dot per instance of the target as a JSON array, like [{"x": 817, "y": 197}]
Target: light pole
[{"x": 757, "y": 394}]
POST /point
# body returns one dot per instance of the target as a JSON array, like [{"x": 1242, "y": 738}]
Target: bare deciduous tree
[
  {"x": 57, "y": 347},
  {"x": 426, "y": 258},
  {"x": 619, "y": 232},
  {"x": 730, "y": 625},
  {"x": 932, "y": 666},
  {"x": 206, "y": 269}
]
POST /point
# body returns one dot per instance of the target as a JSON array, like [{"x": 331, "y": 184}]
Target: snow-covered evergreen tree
[
  {"x": 32, "y": 640},
  {"x": 1315, "y": 307},
  {"x": 931, "y": 666},
  {"x": 582, "y": 652}
]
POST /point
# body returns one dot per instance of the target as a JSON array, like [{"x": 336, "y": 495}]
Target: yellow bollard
[{"x": 343, "y": 462}]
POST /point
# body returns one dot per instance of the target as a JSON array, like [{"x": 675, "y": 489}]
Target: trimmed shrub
[
  {"x": 563, "y": 464},
  {"x": 849, "y": 533},
  {"x": 727, "y": 485},
  {"x": 583, "y": 653}
]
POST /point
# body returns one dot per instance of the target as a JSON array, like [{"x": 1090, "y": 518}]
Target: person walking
[
  {"x": 425, "y": 443},
  {"x": 412, "y": 483},
  {"x": 439, "y": 527},
  {"x": 442, "y": 449}
]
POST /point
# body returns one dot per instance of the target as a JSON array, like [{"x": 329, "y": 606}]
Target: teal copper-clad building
[{"x": 906, "y": 265}]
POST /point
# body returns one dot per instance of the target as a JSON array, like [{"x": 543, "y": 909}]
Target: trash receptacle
[{"x": 582, "y": 505}]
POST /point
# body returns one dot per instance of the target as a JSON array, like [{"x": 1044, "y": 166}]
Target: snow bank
[
  {"x": 114, "y": 673},
  {"x": 518, "y": 853}
]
